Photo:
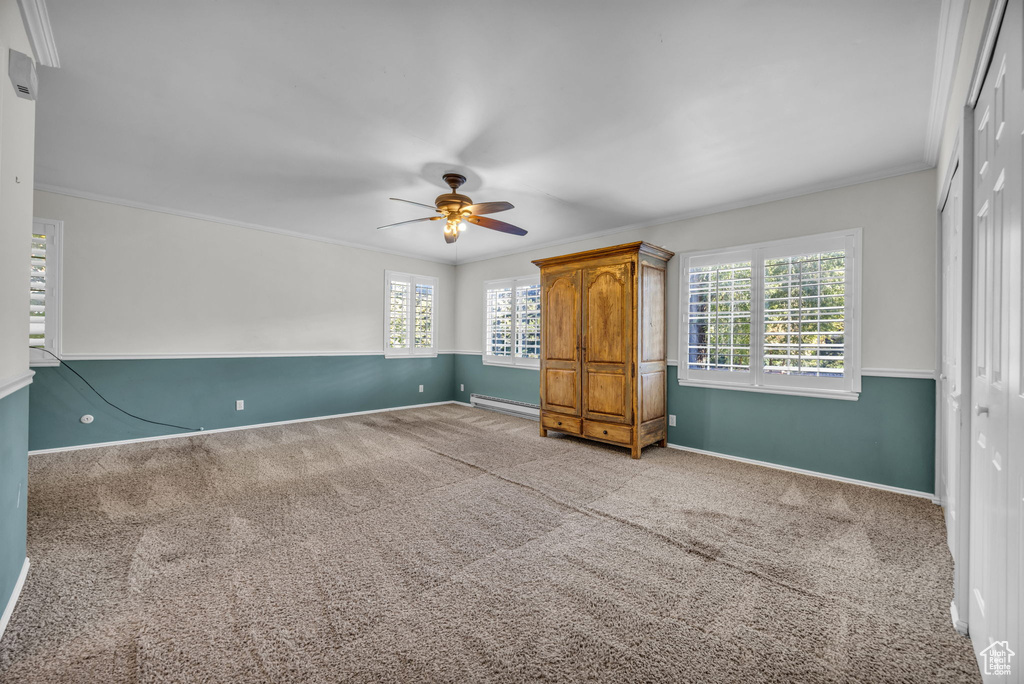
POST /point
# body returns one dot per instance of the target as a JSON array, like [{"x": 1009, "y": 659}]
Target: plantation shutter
[
  {"x": 499, "y": 321},
  {"x": 409, "y": 315},
  {"x": 527, "y": 323},
  {"x": 805, "y": 314},
  {"x": 716, "y": 342},
  {"x": 37, "y": 293},
  {"x": 512, "y": 321}
]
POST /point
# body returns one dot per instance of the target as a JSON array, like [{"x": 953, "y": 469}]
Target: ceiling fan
[{"x": 456, "y": 210}]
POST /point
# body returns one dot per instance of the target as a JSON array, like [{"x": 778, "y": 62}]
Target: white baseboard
[
  {"x": 812, "y": 473},
  {"x": 194, "y": 433},
  {"x": 9, "y": 610}
]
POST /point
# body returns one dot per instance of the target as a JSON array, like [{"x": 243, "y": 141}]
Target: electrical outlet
[
  {"x": 421, "y": 388},
  {"x": 671, "y": 421},
  {"x": 462, "y": 388},
  {"x": 240, "y": 405}
]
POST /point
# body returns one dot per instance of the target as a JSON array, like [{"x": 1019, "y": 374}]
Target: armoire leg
[
  {"x": 543, "y": 432},
  {"x": 663, "y": 443},
  {"x": 636, "y": 451}
]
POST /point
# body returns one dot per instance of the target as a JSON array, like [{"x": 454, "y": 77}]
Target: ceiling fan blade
[
  {"x": 489, "y": 207},
  {"x": 418, "y": 204},
  {"x": 495, "y": 224},
  {"x": 402, "y": 223}
]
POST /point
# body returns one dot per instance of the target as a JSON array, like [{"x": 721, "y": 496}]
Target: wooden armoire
[{"x": 603, "y": 344}]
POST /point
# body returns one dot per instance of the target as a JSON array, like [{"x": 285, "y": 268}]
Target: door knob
[{"x": 978, "y": 410}]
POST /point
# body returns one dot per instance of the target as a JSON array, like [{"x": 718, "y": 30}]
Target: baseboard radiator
[{"x": 514, "y": 408}]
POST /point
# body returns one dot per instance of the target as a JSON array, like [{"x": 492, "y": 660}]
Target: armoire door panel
[
  {"x": 561, "y": 317},
  {"x": 607, "y": 396},
  {"x": 652, "y": 396},
  {"x": 607, "y": 313},
  {"x": 562, "y": 387}
]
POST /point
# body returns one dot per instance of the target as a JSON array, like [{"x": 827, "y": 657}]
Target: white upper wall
[
  {"x": 900, "y": 240},
  {"x": 139, "y": 282},
  {"x": 17, "y": 160}
]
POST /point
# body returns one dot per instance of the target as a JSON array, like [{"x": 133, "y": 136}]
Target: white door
[
  {"x": 996, "y": 493},
  {"x": 952, "y": 472}
]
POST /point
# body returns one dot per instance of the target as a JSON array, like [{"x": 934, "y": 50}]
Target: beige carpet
[{"x": 451, "y": 544}]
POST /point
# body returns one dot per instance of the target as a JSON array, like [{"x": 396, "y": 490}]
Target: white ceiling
[{"x": 588, "y": 116}]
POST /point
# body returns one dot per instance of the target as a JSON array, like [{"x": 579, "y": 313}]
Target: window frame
[
  {"x": 513, "y": 361},
  {"x": 54, "y": 292},
  {"x": 756, "y": 380},
  {"x": 410, "y": 351}
]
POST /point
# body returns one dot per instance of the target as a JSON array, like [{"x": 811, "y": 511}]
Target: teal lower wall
[
  {"x": 202, "y": 393},
  {"x": 517, "y": 384},
  {"x": 886, "y": 437},
  {"x": 13, "y": 489}
]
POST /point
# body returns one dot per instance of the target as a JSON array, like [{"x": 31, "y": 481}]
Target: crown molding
[
  {"x": 40, "y": 33},
  {"x": 81, "y": 194},
  {"x": 952, "y": 19},
  {"x": 798, "y": 191}
]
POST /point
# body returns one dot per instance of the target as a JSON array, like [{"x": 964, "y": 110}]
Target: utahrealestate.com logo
[{"x": 996, "y": 658}]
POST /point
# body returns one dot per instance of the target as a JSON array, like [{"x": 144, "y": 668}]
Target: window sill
[
  {"x": 794, "y": 391},
  {"x": 411, "y": 356},
  {"x": 504, "y": 364}
]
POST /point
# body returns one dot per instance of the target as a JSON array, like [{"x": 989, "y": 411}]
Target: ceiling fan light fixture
[{"x": 458, "y": 211}]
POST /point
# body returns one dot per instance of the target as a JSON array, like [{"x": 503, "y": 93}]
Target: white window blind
[
  {"x": 44, "y": 292},
  {"x": 718, "y": 333},
  {"x": 512, "y": 321},
  {"x": 805, "y": 314},
  {"x": 778, "y": 316},
  {"x": 409, "y": 315}
]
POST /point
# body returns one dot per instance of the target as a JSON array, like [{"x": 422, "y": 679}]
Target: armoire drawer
[
  {"x": 622, "y": 434},
  {"x": 561, "y": 423}
]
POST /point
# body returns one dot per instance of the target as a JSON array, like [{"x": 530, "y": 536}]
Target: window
[
  {"x": 44, "y": 292},
  {"x": 776, "y": 317},
  {"x": 512, "y": 322},
  {"x": 409, "y": 306}
]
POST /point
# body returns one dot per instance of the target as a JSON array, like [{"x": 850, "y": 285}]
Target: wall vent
[
  {"x": 22, "y": 71},
  {"x": 513, "y": 408}
]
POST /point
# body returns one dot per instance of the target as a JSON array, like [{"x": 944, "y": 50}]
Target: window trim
[
  {"x": 507, "y": 361},
  {"x": 411, "y": 351},
  {"x": 756, "y": 380},
  {"x": 54, "y": 306}
]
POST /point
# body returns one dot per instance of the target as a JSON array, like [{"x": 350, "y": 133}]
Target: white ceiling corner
[
  {"x": 590, "y": 118},
  {"x": 40, "y": 33}
]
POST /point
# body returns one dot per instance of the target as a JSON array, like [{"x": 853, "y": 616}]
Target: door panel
[
  {"x": 608, "y": 320},
  {"x": 561, "y": 386},
  {"x": 607, "y": 395},
  {"x": 561, "y": 318},
  {"x": 608, "y": 313},
  {"x": 652, "y": 324},
  {"x": 998, "y": 406},
  {"x": 561, "y": 307},
  {"x": 652, "y": 396}
]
